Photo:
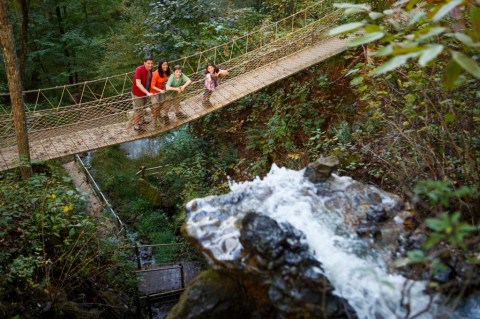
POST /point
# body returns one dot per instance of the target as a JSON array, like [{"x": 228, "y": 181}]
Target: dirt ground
[{"x": 95, "y": 206}]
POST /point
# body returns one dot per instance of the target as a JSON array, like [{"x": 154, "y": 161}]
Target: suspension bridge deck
[{"x": 114, "y": 129}]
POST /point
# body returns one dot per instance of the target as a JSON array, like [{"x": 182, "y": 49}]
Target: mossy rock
[
  {"x": 217, "y": 295},
  {"x": 154, "y": 195}
]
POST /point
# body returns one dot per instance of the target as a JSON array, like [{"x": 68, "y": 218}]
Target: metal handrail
[{"x": 99, "y": 192}]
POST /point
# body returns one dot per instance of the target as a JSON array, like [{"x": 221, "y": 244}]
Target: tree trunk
[{"x": 15, "y": 89}]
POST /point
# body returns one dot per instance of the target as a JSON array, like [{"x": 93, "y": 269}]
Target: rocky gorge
[{"x": 305, "y": 244}]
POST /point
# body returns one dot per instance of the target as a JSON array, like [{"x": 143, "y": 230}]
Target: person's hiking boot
[
  {"x": 165, "y": 119},
  {"x": 138, "y": 129},
  {"x": 181, "y": 115},
  {"x": 207, "y": 104}
]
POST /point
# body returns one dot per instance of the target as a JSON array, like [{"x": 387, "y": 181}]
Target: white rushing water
[
  {"x": 147, "y": 146},
  {"x": 357, "y": 272}
]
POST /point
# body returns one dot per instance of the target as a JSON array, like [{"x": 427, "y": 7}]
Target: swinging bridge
[{"x": 71, "y": 119}]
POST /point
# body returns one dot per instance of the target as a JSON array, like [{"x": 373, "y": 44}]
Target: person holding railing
[
  {"x": 212, "y": 73},
  {"x": 140, "y": 92},
  {"x": 177, "y": 82},
  {"x": 160, "y": 77}
]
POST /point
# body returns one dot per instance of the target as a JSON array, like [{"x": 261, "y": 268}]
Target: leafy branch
[{"x": 414, "y": 29}]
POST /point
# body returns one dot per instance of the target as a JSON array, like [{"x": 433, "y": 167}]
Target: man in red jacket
[{"x": 140, "y": 92}]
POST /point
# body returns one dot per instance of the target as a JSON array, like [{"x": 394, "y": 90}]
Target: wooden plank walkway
[
  {"x": 69, "y": 143},
  {"x": 167, "y": 278}
]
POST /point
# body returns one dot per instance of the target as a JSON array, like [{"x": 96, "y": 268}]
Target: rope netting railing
[{"x": 62, "y": 110}]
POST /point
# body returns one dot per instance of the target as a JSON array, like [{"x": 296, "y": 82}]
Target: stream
[{"x": 357, "y": 272}]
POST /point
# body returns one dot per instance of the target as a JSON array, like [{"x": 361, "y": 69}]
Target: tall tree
[{"x": 15, "y": 89}]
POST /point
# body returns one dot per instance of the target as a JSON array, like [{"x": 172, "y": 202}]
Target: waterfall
[{"x": 358, "y": 273}]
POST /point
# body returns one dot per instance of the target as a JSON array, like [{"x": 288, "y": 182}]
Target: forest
[{"x": 400, "y": 109}]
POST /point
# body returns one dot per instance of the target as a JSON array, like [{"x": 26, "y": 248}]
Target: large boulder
[{"x": 303, "y": 242}]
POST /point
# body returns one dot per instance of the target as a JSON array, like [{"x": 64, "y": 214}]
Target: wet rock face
[
  {"x": 279, "y": 252},
  {"x": 212, "y": 295},
  {"x": 279, "y": 279},
  {"x": 244, "y": 234},
  {"x": 320, "y": 170}
]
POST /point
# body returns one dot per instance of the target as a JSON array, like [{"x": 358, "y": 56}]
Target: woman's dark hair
[
  {"x": 160, "y": 70},
  {"x": 210, "y": 64}
]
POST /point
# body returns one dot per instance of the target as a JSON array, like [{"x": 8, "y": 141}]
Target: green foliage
[
  {"x": 180, "y": 28},
  {"x": 442, "y": 192},
  {"x": 66, "y": 39},
  {"x": 446, "y": 229},
  {"x": 282, "y": 8},
  {"x": 173, "y": 23},
  {"x": 187, "y": 167},
  {"x": 450, "y": 229},
  {"x": 51, "y": 247},
  {"x": 416, "y": 126},
  {"x": 122, "y": 51},
  {"x": 423, "y": 32},
  {"x": 413, "y": 127},
  {"x": 121, "y": 185}
]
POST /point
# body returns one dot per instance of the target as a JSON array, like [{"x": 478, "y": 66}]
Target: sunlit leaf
[
  {"x": 416, "y": 16},
  {"x": 351, "y": 71},
  {"x": 356, "y": 81},
  {"x": 437, "y": 224},
  {"x": 364, "y": 7},
  {"x": 346, "y": 28},
  {"x": 475, "y": 16},
  {"x": 430, "y": 53},
  {"x": 465, "y": 39},
  {"x": 407, "y": 48},
  {"x": 445, "y": 9},
  {"x": 401, "y": 262},
  {"x": 452, "y": 72},
  {"x": 386, "y": 50},
  {"x": 370, "y": 28},
  {"x": 416, "y": 256},
  {"x": 362, "y": 88},
  {"x": 394, "y": 63},
  {"x": 466, "y": 228},
  {"x": 426, "y": 33},
  {"x": 467, "y": 63},
  {"x": 411, "y": 4},
  {"x": 449, "y": 118},
  {"x": 400, "y": 3},
  {"x": 367, "y": 38},
  {"x": 352, "y": 11},
  {"x": 410, "y": 98},
  {"x": 455, "y": 218},
  {"x": 293, "y": 156},
  {"x": 375, "y": 15}
]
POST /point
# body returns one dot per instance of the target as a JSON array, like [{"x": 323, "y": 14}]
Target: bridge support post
[
  {"x": 137, "y": 255},
  {"x": 149, "y": 307},
  {"x": 139, "y": 307},
  {"x": 182, "y": 275}
]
